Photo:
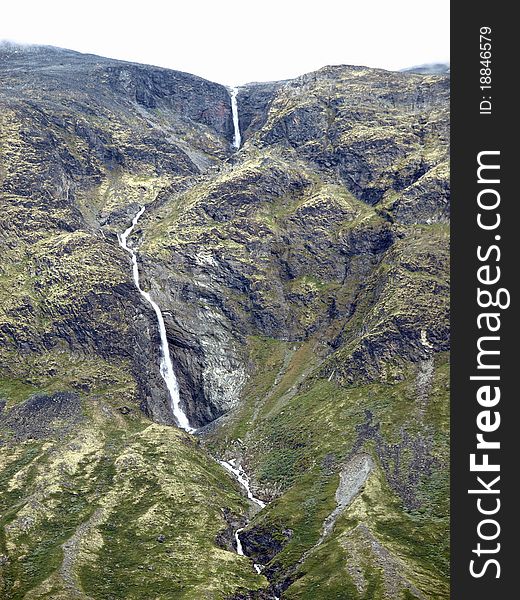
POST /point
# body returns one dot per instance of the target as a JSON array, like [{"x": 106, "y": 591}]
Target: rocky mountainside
[{"x": 303, "y": 280}]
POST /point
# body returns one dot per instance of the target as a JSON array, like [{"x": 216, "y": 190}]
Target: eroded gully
[{"x": 166, "y": 365}]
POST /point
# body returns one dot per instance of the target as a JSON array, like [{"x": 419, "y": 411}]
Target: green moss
[
  {"x": 131, "y": 561},
  {"x": 141, "y": 485},
  {"x": 323, "y": 576},
  {"x": 56, "y": 371},
  {"x": 14, "y": 391}
]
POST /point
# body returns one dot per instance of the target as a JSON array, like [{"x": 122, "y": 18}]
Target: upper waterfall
[
  {"x": 237, "y": 137},
  {"x": 166, "y": 368}
]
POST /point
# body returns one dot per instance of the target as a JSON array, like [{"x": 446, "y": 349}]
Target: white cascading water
[
  {"x": 237, "y": 138},
  {"x": 166, "y": 368},
  {"x": 239, "y": 474},
  {"x": 242, "y": 478},
  {"x": 240, "y": 550}
]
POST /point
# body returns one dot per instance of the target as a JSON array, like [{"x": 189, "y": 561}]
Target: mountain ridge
[{"x": 17, "y": 47}]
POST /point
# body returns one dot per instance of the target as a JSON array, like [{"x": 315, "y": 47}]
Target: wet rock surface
[
  {"x": 226, "y": 538},
  {"x": 260, "y": 543}
]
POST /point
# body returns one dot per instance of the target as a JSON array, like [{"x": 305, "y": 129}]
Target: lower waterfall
[
  {"x": 243, "y": 479},
  {"x": 166, "y": 367},
  {"x": 168, "y": 374}
]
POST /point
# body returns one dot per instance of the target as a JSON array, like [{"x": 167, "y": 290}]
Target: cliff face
[
  {"x": 304, "y": 285},
  {"x": 79, "y": 150}
]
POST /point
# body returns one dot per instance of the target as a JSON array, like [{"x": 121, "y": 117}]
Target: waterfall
[
  {"x": 237, "y": 138},
  {"x": 240, "y": 550},
  {"x": 242, "y": 478},
  {"x": 166, "y": 367}
]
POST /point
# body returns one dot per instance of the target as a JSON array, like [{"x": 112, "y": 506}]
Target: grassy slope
[
  {"x": 293, "y": 443},
  {"x": 111, "y": 488}
]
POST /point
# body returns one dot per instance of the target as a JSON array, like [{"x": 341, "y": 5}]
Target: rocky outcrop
[
  {"x": 43, "y": 416},
  {"x": 262, "y": 544},
  {"x": 253, "y": 102}
]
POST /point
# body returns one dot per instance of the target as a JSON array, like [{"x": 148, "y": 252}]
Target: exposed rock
[
  {"x": 44, "y": 416},
  {"x": 262, "y": 544},
  {"x": 351, "y": 481}
]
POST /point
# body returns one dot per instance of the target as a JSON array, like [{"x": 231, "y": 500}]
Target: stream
[
  {"x": 166, "y": 366},
  {"x": 241, "y": 476}
]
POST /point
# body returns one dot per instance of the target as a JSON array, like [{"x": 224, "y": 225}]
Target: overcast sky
[{"x": 238, "y": 41}]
